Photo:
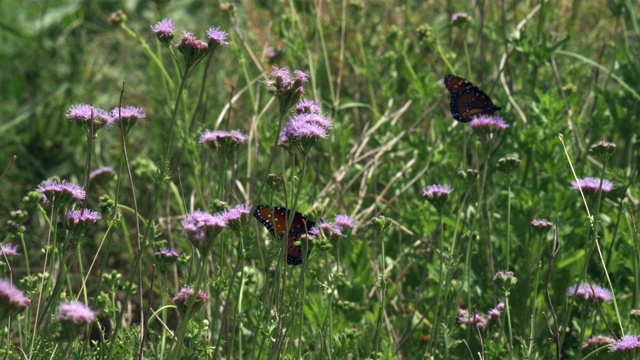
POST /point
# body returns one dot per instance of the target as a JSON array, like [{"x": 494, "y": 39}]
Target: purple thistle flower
[
  {"x": 166, "y": 257},
  {"x": 316, "y": 119},
  {"x": 541, "y": 223},
  {"x": 591, "y": 185},
  {"x": 598, "y": 341},
  {"x": 217, "y": 136},
  {"x": 8, "y": 249},
  {"x": 100, "y": 172},
  {"x": 164, "y": 29},
  {"x": 12, "y": 301},
  {"x": 127, "y": 113},
  {"x": 301, "y": 77},
  {"x": 307, "y": 106},
  {"x": 336, "y": 231},
  {"x": 585, "y": 293},
  {"x": 488, "y": 123},
  {"x": 83, "y": 114},
  {"x": 63, "y": 191},
  {"x": 437, "y": 195},
  {"x": 344, "y": 221},
  {"x": 191, "y": 48},
  {"x": 285, "y": 87},
  {"x": 236, "y": 213},
  {"x": 497, "y": 311},
  {"x": 459, "y": 17},
  {"x": 627, "y": 344},
  {"x": 216, "y": 37},
  {"x": 182, "y": 297},
  {"x": 301, "y": 133},
  {"x": 83, "y": 216},
  {"x": 75, "y": 313},
  {"x": 201, "y": 228},
  {"x": 478, "y": 320}
]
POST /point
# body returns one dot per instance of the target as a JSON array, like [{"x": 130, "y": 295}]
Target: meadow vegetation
[{"x": 136, "y": 159}]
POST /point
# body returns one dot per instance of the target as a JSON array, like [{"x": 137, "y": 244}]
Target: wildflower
[
  {"x": 285, "y": 87},
  {"x": 235, "y": 216},
  {"x": 437, "y": 195},
  {"x": 505, "y": 280},
  {"x": 508, "y": 164},
  {"x": 488, "y": 126},
  {"x": 164, "y": 30},
  {"x": 12, "y": 301},
  {"x": 380, "y": 223},
  {"x": 216, "y": 37},
  {"x": 541, "y": 226},
  {"x": 635, "y": 313},
  {"x": 627, "y": 345},
  {"x": 589, "y": 293},
  {"x": 224, "y": 141},
  {"x": 86, "y": 114},
  {"x": 191, "y": 48},
  {"x": 303, "y": 131},
  {"x": 63, "y": 192},
  {"x": 102, "y": 172},
  {"x": 202, "y": 228},
  {"x": 478, "y": 320},
  {"x": 497, "y": 311},
  {"x": 459, "y": 18},
  {"x": 128, "y": 115},
  {"x": 166, "y": 257},
  {"x": 8, "y": 249},
  {"x": 591, "y": 185},
  {"x": 603, "y": 149},
  {"x": 73, "y": 317},
  {"x": 182, "y": 297},
  {"x": 82, "y": 218},
  {"x": 308, "y": 106},
  {"x": 595, "y": 342},
  {"x": 469, "y": 176},
  {"x": 344, "y": 221}
]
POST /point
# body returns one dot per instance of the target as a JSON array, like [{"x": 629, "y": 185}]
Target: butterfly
[
  {"x": 467, "y": 100},
  {"x": 300, "y": 226}
]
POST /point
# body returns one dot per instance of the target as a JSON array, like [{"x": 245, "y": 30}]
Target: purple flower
[
  {"x": 164, "y": 29},
  {"x": 459, "y": 17},
  {"x": 488, "y": 123},
  {"x": 217, "y": 136},
  {"x": 103, "y": 171},
  {"x": 127, "y": 113},
  {"x": 541, "y": 223},
  {"x": 191, "y": 48},
  {"x": 182, "y": 297},
  {"x": 587, "y": 294},
  {"x": 216, "y": 37},
  {"x": 64, "y": 191},
  {"x": 505, "y": 280},
  {"x": 281, "y": 79},
  {"x": 76, "y": 313},
  {"x": 82, "y": 216},
  {"x": 603, "y": 149},
  {"x": 300, "y": 134},
  {"x": 344, "y": 221},
  {"x": 287, "y": 88},
  {"x": 434, "y": 191},
  {"x": 201, "y": 228},
  {"x": 591, "y": 185},
  {"x": 597, "y": 341},
  {"x": 307, "y": 106},
  {"x": 166, "y": 257},
  {"x": 12, "y": 301},
  {"x": 478, "y": 320},
  {"x": 236, "y": 213},
  {"x": 497, "y": 311},
  {"x": 84, "y": 113},
  {"x": 316, "y": 119},
  {"x": 635, "y": 312},
  {"x": 8, "y": 249},
  {"x": 628, "y": 343},
  {"x": 437, "y": 195}
]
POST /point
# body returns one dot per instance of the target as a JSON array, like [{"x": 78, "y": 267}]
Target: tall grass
[{"x": 472, "y": 276}]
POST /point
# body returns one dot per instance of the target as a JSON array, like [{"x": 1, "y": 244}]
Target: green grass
[{"x": 565, "y": 74}]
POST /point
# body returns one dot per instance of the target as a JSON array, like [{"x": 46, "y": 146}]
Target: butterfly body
[
  {"x": 467, "y": 100},
  {"x": 275, "y": 219}
]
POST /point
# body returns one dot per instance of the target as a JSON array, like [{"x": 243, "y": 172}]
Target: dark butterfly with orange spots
[
  {"x": 467, "y": 100},
  {"x": 278, "y": 225}
]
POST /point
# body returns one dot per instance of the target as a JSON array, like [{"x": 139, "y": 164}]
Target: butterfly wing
[
  {"x": 278, "y": 225},
  {"x": 467, "y": 100}
]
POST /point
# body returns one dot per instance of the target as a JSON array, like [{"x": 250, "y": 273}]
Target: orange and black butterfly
[
  {"x": 467, "y": 100},
  {"x": 278, "y": 225}
]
